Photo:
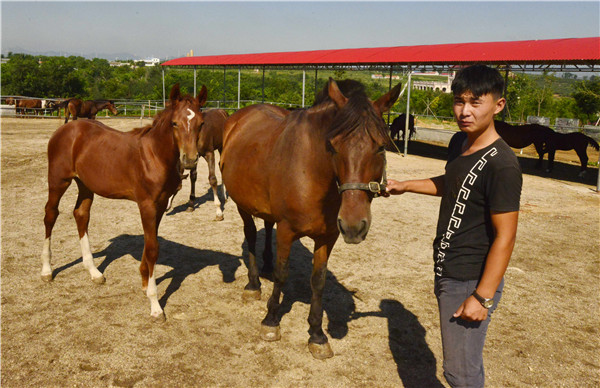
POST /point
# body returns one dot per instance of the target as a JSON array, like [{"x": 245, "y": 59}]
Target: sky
[{"x": 165, "y": 30}]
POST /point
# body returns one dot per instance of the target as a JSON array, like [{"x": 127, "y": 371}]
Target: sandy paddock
[{"x": 380, "y": 312}]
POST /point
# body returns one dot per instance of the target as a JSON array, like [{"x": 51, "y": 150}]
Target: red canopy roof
[{"x": 575, "y": 50}]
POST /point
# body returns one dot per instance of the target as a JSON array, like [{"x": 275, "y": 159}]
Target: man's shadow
[
  {"x": 338, "y": 302},
  {"x": 183, "y": 260},
  {"x": 415, "y": 361}
]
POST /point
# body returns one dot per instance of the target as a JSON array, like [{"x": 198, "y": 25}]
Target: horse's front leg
[
  {"x": 270, "y": 325},
  {"x": 151, "y": 216},
  {"x": 214, "y": 184},
  {"x": 193, "y": 177},
  {"x": 539, "y": 148},
  {"x": 318, "y": 344}
]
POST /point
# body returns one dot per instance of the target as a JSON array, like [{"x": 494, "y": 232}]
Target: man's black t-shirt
[{"x": 487, "y": 180}]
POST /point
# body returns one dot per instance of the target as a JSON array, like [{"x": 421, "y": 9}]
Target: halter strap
[{"x": 373, "y": 187}]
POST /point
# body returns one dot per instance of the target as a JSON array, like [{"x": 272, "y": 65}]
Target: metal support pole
[
  {"x": 390, "y": 88},
  {"x": 195, "y": 81},
  {"x": 316, "y": 78},
  {"x": 263, "y": 85},
  {"x": 598, "y": 183},
  {"x": 239, "y": 85},
  {"x": 303, "y": 85},
  {"x": 224, "y": 82},
  {"x": 164, "y": 95},
  {"x": 504, "y": 92},
  {"x": 406, "y": 130}
]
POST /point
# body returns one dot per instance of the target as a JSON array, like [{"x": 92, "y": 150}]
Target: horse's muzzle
[
  {"x": 356, "y": 233},
  {"x": 189, "y": 163}
]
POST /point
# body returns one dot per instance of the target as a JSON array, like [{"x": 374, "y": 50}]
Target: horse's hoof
[
  {"x": 47, "y": 278},
  {"x": 248, "y": 295},
  {"x": 320, "y": 351},
  {"x": 99, "y": 280},
  {"x": 270, "y": 333},
  {"x": 158, "y": 318},
  {"x": 189, "y": 209},
  {"x": 219, "y": 218}
]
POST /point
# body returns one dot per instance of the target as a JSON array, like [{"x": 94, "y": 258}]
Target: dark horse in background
[
  {"x": 141, "y": 166},
  {"x": 399, "y": 126},
  {"x": 313, "y": 172},
  {"x": 209, "y": 141},
  {"x": 521, "y": 136},
  {"x": 88, "y": 109},
  {"x": 545, "y": 140},
  {"x": 570, "y": 141}
]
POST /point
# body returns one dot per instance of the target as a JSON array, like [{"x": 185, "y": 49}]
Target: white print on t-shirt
[{"x": 459, "y": 208}]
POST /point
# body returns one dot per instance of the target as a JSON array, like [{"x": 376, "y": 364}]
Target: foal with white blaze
[{"x": 141, "y": 165}]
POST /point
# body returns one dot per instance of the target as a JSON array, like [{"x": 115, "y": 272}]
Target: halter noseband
[{"x": 372, "y": 187}]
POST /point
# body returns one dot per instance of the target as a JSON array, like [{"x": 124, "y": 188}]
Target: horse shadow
[
  {"x": 561, "y": 171},
  {"x": 338, "y": 301},
  {"x": 183, "y": 260},
  {"x": 416, "y": 363}
]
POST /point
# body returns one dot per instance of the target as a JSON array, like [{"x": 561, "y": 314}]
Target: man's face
[{"x": 475, "y": 114}]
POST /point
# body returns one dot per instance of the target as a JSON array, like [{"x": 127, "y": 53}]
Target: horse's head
[
  {"x": 356, "y": 141},
  {"x": 186, "y": 120},
  {"x": 112, "y": 108}
]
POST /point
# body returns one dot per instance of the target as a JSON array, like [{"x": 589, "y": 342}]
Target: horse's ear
[
  {"x": 335, "y": 94},
  {"x": 175, "y": 93},
  {"x": 202, "y": 96},
  {"x": 385, "y": 102}
]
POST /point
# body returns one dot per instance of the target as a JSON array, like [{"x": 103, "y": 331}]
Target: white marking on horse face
[{"x": 190, "y": 117}]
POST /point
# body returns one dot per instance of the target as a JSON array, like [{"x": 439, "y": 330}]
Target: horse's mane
[
  {"x": 159, "y": 120},
  {"x": 356, "y": 114}
]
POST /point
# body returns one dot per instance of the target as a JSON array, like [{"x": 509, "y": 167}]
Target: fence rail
[{"x": 136, "y": 109}]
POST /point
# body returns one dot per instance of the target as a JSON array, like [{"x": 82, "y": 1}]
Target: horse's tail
[{"x": 592, "y": 142}]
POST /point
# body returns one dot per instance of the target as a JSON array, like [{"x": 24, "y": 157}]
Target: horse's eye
[
  {"x": 173, "y": 123},
  {"x": 330, "y": 148}
]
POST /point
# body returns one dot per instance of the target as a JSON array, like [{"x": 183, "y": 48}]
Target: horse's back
[{"x": 249, "y": 137}]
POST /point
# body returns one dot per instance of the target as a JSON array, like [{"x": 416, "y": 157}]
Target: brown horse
[
  {"x": 313, "y": 172},
  {"x": 210, "y": 140},
  {"x": 141, "y": 165},
  {"x": 521, "y": 136},
  {"x": 23, "y": 105},
  {"x": 78, "y": 108},
  {"x": 570, "y": 141}
]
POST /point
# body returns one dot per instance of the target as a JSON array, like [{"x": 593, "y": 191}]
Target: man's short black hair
[{"x": 479, "y": 80}]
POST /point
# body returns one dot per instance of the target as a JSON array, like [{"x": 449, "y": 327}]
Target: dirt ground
[{"x": 380, "y": 311}]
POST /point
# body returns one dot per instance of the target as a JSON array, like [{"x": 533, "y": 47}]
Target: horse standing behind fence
[
  {"x": 27, "y": 104},
  {"x": 399, "y": 126},
  {"x": 521, "y": 136},
  {"x": 88, "y": 109},
  {"x": 313, "y": 172},
  {"x": 141, "y": 165},
  {"x": 570, "y": 141}
]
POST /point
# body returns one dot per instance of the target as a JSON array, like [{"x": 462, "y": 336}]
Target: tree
[{"x": 587, "y": 97}]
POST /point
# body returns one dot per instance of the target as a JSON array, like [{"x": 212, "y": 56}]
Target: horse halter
[{"x": 373, "y": 187}]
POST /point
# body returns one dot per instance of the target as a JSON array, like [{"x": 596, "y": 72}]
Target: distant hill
[{"x": 50, "y": 53}]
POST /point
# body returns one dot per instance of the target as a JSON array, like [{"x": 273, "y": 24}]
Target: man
[{"x": 477, "y": 223}]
